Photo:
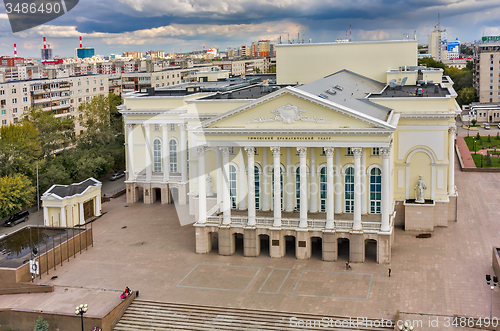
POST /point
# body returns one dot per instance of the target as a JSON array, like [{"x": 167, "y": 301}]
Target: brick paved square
[
  {"x": 340, "y": 285},
  {"x": 216, "y": 277},
  {"x": 494, "y": 207}
]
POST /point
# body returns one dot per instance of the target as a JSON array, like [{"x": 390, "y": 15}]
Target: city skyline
[{"x": 125, "y": 25}]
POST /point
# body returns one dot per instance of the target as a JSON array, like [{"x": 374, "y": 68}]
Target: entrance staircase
[{"x": 143, "y": 315}]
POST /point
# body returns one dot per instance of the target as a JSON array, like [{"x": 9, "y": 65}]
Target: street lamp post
[
  {"x": 492, "y": 286},
  {"x": 406, "y": 327},
  {"x": 80, "y": 310}
]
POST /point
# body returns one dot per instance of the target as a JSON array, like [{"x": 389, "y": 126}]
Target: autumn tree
[{"x": 16, "y": 192}]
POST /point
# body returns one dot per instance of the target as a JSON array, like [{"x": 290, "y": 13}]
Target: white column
[
  {"x": 451, "y": 157},
  {"x": 165, "y": 153},
  {"x": 98, "y": 205},
  {"x": 363, "y": 181},
  {"x": 241, "y": 181},
  {"x": 357, "y": 188},
  {"x": 303, "y": 186},
  {"x": 265, "y": 189},
  {"x": 226, "y": 197},
  {"x": 314, "y": 184},
  {"x": 289, "y": 189},
  {"x": 183, "y": 153},
  {"x": 130, "y": 147},
  {"x": 202, "y": 189},
  {"x": 277, "y": 185},
  {"x": 219, "y": 178},
  {"x": 339, "y": 187},
  {"x": 251, "y": 185},
  {"x": 147, "y": 149},
  {"x": 329, "y": 189},
  {"x": 63, "y": 217},
  {"x": 386, "y": 189},
  {"x": 82, "y": 213},
  {"x": 46, "y": 215}
]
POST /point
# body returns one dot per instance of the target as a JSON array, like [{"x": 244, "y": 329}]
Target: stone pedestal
[
  {"x": 147, "y": 194},
  {"x": 302, "y": 245},
  {"x": 251, "y": 243},
  {"x": 277, "y": 245},
  {"x": 452, "y": 207},
  {"x": 203, "y": 239},
  {"x": 356, "y": 247},
  {"x": 384, "y": 248},
  {"x": 131, "y": 193},
  {"x": 329, "y": 246},
  {"x": 419, "y": 217},
  {"x": 226, "y": 241}
]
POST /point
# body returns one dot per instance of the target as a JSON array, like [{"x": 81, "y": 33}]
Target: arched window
[
  {"x": 375, "y": 190},
  {"x": 173, "y": 155},
  {"x": 257, "y": 188},
  {"x": 272, "y": 188},
  {"x": 157, "y": 155},
  {"x": 232, "y": 186},
  {"x": 349, "y": 190},
  {"x": 322, "y": 190}
]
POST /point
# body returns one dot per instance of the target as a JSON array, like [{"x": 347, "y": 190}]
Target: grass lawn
[
  {"x": 495, "y": 161},
  {"x": 484, "y": 142}
]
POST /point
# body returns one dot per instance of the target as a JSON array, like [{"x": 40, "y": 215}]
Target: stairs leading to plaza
[{"x": 143, "y": 315}]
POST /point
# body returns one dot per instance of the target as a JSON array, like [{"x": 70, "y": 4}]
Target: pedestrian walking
[
  {"x": 390, "y": 272},
  {"x": 347, "y": 266}
]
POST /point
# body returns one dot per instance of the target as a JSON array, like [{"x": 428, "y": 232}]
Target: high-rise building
[
  {"x": 263, "y": 48},
  {"x": 46, "y": 51},
  {"x": 84, "y": 52},
  {"x": 486, "y": 69},
  {"x": 438, "y": 41}
]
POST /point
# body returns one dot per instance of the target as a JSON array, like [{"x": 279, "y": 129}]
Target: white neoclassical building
[{"x": 327, "y": 161}]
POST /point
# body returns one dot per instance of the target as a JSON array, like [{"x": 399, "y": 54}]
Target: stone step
[{"x": 145, "y": 315}]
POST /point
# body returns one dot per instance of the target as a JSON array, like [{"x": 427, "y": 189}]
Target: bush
[
  {"x": 498, "y": 135},
  {"x": 489, "y": 138},
  {"x": 41, "y": 325},
  {"x": 474, "y": 121},
  {"x": 488, "y": 159}
]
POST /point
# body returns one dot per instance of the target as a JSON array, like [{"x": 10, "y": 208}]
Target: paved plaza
[{"x": 145, "y": 247}]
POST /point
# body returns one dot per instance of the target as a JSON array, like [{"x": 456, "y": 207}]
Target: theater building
[{"x": 327, "y": 161}]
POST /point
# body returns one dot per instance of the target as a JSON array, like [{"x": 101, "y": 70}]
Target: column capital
[
  {"x": 130, "y": 127},
  {"x": 329, "y": 151},
  {"x": 224, "y": 151},
  {"x": 356, "y": 151},
  {"x": 302, "y": 151},
  {"x": 385, "y": 151},
  {"x": 165, "y": 126},
  {"x": 250, "y": 151},
  {"x": 182, "y": 126},
  {"x": 452, "y": 130},
  {"x": 201, "y": 150},
  {"x": 147, "y": 128},
  {"x": 276, "y": 151}
]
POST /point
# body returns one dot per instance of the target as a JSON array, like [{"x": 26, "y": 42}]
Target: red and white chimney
[
  {"x": 15, "y": 51},
  {"x": 44, "y": 43},
  {"x": 80, "y": 41}
]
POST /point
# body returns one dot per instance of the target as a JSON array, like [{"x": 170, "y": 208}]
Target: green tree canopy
[
  {"x": 19, "y": 148},
  {"x": 16, "y": 192},
  {"x": 41, "y": 325}
]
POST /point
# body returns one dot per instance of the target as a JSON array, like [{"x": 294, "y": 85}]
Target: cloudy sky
[{"x": 114, "y": 26}]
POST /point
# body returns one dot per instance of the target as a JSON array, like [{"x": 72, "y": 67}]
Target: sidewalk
[{"x": 465, "y": 153}]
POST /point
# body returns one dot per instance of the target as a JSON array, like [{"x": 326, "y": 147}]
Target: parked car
[
  {"x": 486, "y": 126},
  {"x": 117, "y": 175},
  {"x": 499, "y": 125},
  {"x": 17, "y": 218}
]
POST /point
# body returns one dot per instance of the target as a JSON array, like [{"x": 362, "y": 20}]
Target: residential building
[
  {"x": 85, "y": 52},
  {"x": 438, "y": 41},
  {"x": 263, "y": 48},
  {"x": 486, "y": 69},
  {"x": 274, "y": 168},
  {"x": 156, "y": 54},
  {"x": 133, "y": 54}
]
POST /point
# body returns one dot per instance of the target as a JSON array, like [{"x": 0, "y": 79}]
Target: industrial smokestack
[
  {"x": 15, "y": 51},
  {"x": 80, "y": 41},
  {"x": 44, "y": 43}
]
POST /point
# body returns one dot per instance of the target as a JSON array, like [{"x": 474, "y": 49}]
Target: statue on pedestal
[
  {"x": 209, "y": 186},
  {"x": 419, "y": 190}
]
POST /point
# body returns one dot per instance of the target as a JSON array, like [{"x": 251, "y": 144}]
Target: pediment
[{"x": 290, "y": 109}]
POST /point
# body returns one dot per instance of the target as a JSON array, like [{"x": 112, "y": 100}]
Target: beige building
[
  {"x": 71, "y": 205},
  {"x": 437, "y": 43},
  {"x": 487, "y": 70},
  {"x": 330, "y": 165}
]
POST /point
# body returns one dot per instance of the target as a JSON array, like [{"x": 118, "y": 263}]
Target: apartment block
[{"x": 486, "y": 69}]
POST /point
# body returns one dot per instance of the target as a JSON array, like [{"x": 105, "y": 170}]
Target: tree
[
  {"x": 41, "y": 325},
  {"x": 53, "y": 173},
  {"x": 272, "y": 68},
  {"x": 474, "y": 121},
  {"x": 19, "y": 148},
  {"x": 431, "y": 63},
  {"x": 54, "y": 133},
  {"x": 466, "y": 96},
  {"x": 488, "y": 158},
  {"x": 16, "y": 192}
]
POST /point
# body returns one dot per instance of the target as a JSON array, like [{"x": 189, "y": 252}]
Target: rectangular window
[
  {"x": 157, "y": 127},
  {"x": 4, "y": 122},
  {"x": 25, "y": 99},
  {"x": 172, "y": 127},
  {"x": 14, "y": 100},
  {"x": 15, "y": 119},
  {"x": 14, "y": 110},
  {"x": 2, "y": 92},
  {"x": 13, "y": 90},
  {"x": 25, "y": 90},
  {"x": 3, "y": 112},
  {"x": 349, "y": 151},
  {"x": 376, "y": 151}
]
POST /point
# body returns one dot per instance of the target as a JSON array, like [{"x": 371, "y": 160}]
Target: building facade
[
  {"x": 332, "y": 164},
  {"x": 487, "y": 69}
]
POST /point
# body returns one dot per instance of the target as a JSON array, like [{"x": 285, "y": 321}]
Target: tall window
[
  {"x": 349, "y": 190},
  {"x": 157, "y": 155},
  {"x": 272, "y": 188},
  {"x": 173, "y": 155},
  {"x": 375, "y": 190},
  {"x": 232, "y": 186},
  {"x": 322, "y": 189},
  {"x": 297, "y": 188},
  {"x": 257, "y": 188}
]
